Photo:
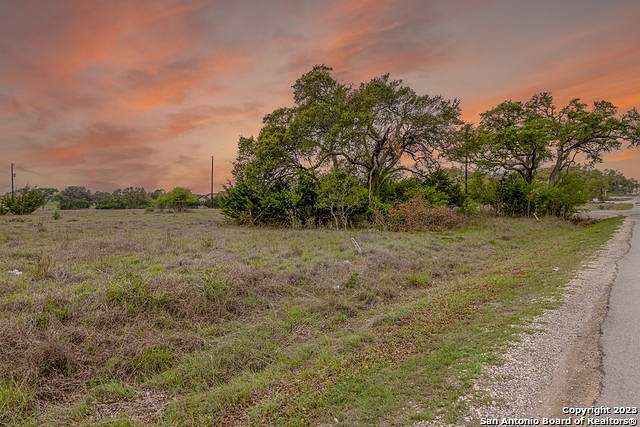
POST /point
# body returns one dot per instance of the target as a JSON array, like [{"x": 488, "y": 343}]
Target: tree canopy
[
  {"x": 522, "y": 136},
  {"x": 379, "y": 130}
]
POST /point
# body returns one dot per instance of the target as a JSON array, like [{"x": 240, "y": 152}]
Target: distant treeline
[{"x": 26, "y": 200}]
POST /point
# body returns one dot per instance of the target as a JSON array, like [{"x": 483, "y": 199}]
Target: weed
[
  {"x": 15, "y": 403},
  {"x": 111, "y": 390},
  {"x": 133, "y": 292},
  {"x": 56, "y": 215},
  {"x": 421, "y": 280},
  {"x": 43, "y": 268},
  {"x": 214, "y": 285},
  {"x": 152, "y": 361},
  {"x": 52, "y": 309},
  {"x": 352, "y": 281}
]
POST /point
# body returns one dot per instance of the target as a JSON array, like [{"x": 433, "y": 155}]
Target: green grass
[{"x": 264, "y": 326}]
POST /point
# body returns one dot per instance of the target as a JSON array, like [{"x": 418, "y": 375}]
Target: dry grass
[{"x": 181, "y": 319}]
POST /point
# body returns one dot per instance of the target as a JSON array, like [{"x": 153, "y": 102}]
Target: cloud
[{"x": 118, "y": 93}]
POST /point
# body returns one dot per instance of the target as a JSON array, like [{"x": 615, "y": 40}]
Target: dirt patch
[{"x": 146, "y": 408}]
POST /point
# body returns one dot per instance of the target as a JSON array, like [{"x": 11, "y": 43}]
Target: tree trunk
[{"x": 557, "y": 168}]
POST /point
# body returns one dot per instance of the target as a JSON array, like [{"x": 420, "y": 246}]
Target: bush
[
  {"x": 344, "y": 196},
  {"x": 513, "y": 196},
  {"x": 284, "y": 204},
  {"x": 25, "y": 201},
  {"x": 562, "y": 199},
  {"x": 417, "y": 215},
  {"x": 129, "y": 198},
  {"x": 406, "y": 189},
  {"x": 74, "y": 198},
  {"x": 179, "y": 199},
  {"x": 442, "y": 182},
  {"x": 483, "y": 189}
]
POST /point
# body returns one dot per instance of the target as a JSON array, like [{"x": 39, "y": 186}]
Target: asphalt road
[{"x": 620, "y": 338}]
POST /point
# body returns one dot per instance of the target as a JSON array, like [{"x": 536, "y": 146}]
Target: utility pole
[
  {"x": 13, "y": 176},
  {"x": 211, "y": 195}
]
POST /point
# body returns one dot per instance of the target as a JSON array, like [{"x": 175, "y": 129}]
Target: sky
[{"x": 109, "y": 94}]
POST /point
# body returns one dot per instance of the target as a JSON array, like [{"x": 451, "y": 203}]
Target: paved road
[{"x": 620, "y": 340}]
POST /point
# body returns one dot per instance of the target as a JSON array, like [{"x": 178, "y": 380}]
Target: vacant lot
[{"x": 134, "y": 317}]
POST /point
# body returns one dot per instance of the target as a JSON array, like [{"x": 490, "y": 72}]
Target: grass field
[{"x": 129, "y": 317}]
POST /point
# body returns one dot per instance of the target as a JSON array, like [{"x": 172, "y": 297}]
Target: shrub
[
  {"x": 470, "y": 207},
  {"x": 4, "y": 209},
  {"x": 179, "y": 199},
  {"x": 561, "y": 199},
  {"x": 417, "y": 215},
  {"x": 513, "y": 196},
  {"x": 278, "y": 203},
  {"x": 442, "y": 182},
  {"x": 25, "y": 201},
  {"x": 408, "y": 188},
  {"x": 344, "y": 196},
  {"x": 129, "y": 198},
  {"x": 483, "y": 189},
  {"x": 74, "y": 198}
]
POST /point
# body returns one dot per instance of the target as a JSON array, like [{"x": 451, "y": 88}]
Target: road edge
[{"x": 561, "y": 363}]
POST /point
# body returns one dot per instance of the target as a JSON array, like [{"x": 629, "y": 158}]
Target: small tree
[
  {"x": 74, "y": 198},
  {"x": 343, "y": 195},
  {"x": 25, "y": 201},
  {"x": 179, "y": 199}
]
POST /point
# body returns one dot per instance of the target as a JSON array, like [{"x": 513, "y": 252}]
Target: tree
[
  {"x": 386, "y": 129},
  {"x": 381, "y": 129},
  {"x": 129, "y": 198},
  {"x": 575, "y": 131},
  {"x": 74, "y": 198},
  {"x": 510, "y": 138},
  {"x": 48, "y": 193},
  {"x": 179, "y": 199}
]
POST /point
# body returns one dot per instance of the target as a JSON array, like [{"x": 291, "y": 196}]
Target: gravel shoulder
[{"x": 560, "y": 363}]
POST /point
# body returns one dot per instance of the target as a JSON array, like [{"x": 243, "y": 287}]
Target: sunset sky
[{"x": 115, "y": 93}]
